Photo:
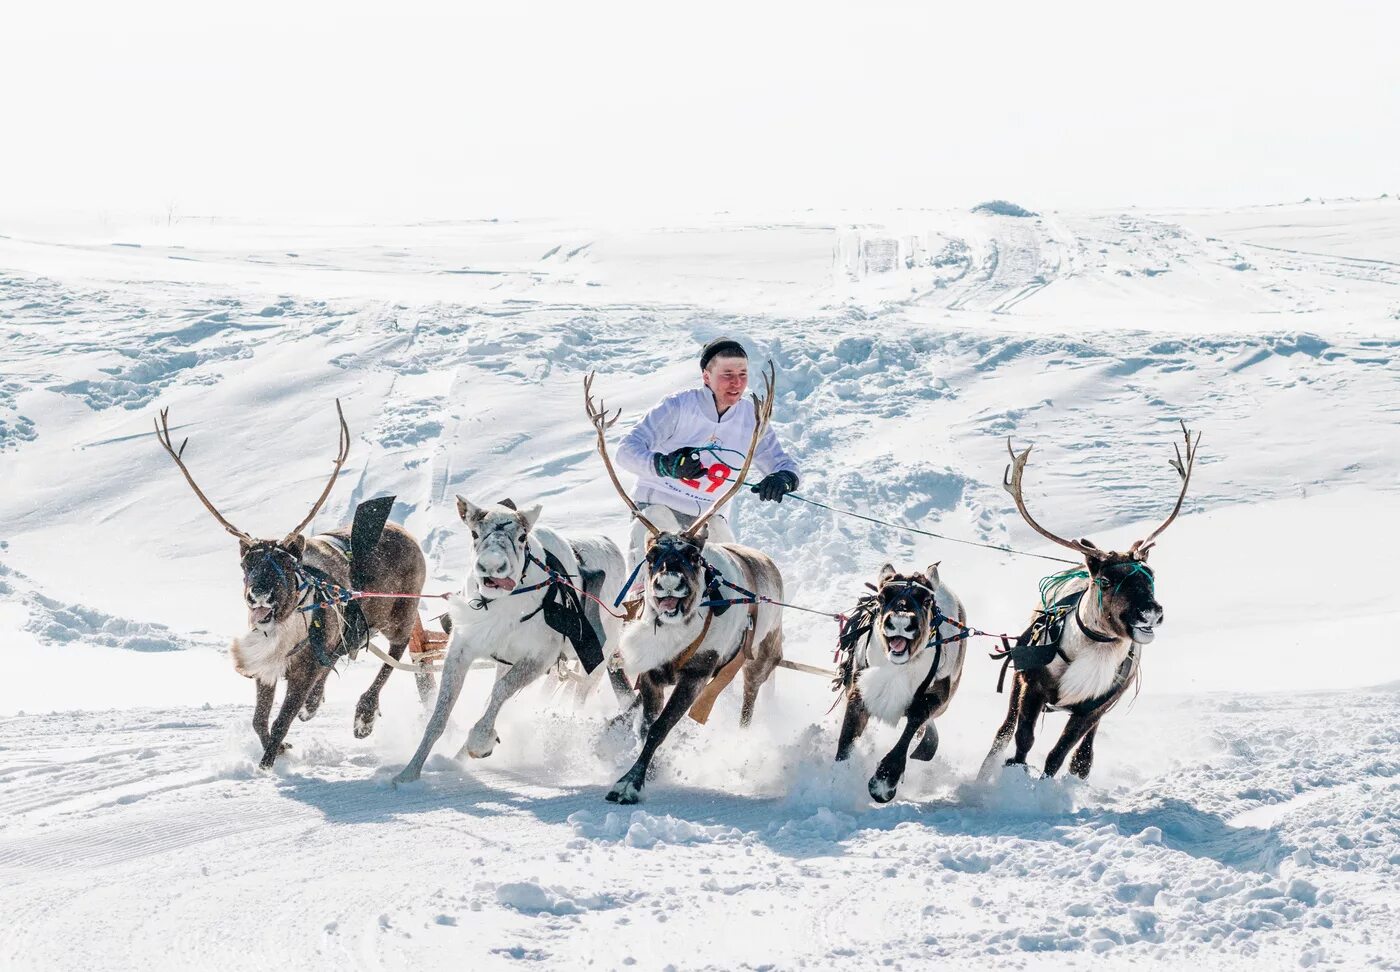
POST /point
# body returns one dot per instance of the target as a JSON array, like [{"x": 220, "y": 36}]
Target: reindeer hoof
[
  {"x": 409, "y": 774},
  {"x": 308, "y": 712},
  {"x": 481, "y": 741},
  {"x": 626, "y": 792},
  {"x": 364, "y": 719},
  {"x": 881, "y": 789}
]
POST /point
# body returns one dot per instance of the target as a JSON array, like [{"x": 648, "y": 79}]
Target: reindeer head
[
  {"x": 1125, "y": 589},
  {"x": 500, "y": 534},
  {"x": 904, "y": 623},
  {"x": 270, "y": 567},
  {"x": 270, "y": 578},
  {"x": 675, "y": 563},
  {"x": 675, "y": 576},
  {"x": 1123, "y": 585}
]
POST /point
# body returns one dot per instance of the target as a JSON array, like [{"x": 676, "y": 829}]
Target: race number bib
[{"x": 718, "y": 470}]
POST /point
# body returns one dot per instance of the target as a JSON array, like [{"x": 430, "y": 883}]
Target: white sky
[{"x": 458, "y": 110}]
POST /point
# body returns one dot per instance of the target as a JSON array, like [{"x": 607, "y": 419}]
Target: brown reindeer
[
  {"x": 680, "y": 641},
  {"x": 297, "y": 630},
  {"x": 1082, "y": 653}
]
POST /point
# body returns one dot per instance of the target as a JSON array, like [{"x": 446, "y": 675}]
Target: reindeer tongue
[
  {"x": 500, "y": 583},
  {"x": 669, "y": 603},
  {"x": 898, "y": 645}
]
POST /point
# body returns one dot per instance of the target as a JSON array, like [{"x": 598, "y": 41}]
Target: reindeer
[
  {"x": 684, "y": 636},
  {"x": 292, "y": 633},
  {"x": 1085, "y": 666},
  {"x": 913, "y": 671},
  {"x": 514, "y": 612}
]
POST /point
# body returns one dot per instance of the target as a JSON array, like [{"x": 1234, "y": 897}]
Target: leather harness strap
[
  {"x": 705, "y": 701},
  {"x": 689, "y": 651}
]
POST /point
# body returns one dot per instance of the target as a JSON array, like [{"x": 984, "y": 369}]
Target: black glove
[
  {"x": 684, "y": 463},
  {"x": 775, "y": 486}
]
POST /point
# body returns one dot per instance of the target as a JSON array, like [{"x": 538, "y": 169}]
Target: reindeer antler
[
  {"x": 163, "y": 435},
  {"x": 1183, "y": 469},
  {"x": 763, "y": 411},
  {"x": 339, "y": 461},
  {"x": 598, "y": 415},
  {"x": 1011, "y": 480}
]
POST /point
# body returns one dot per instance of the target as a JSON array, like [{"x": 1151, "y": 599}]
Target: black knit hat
[{"x": 728, "y": 347}]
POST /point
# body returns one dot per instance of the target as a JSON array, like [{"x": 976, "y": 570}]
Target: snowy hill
[{"x": 1259, "y": 823}]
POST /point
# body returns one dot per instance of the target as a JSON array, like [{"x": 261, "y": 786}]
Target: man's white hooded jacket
[{"x": 689, "y": 419}]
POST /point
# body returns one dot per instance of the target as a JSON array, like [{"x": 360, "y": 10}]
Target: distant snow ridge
[
  {"x": 1000, "y": 207},
  {"x": 58, "y": 623},
  {"x": 54, "y": 622}
]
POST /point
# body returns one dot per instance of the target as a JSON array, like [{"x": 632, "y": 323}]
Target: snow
[{"x": 1243, "y": 810}]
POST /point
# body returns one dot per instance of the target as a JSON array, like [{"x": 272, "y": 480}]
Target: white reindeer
[{"x": 490, "y": 620}]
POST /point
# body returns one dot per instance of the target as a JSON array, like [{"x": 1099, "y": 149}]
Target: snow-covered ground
[{"x": 1245, "y": 809}]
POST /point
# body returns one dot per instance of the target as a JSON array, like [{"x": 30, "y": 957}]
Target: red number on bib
[{"x": 718, "y": 475}]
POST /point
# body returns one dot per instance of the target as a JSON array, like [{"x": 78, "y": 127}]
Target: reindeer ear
[
  {"x": 886, "y": 572},
  {"x": 701, "y": 536},
  {"x": 1095, "y": 564},
  {"x": 468, "y": 511},
  {"x": 296, "y": 546},
  {"x": 531, "y": 514},
  {"x": 931, "y": 572},
  {"x": 508, "y": 503}
]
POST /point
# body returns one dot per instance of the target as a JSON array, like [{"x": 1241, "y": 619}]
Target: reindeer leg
[
  {"x": 298, "y": 685},
  {"x": 758, "y": 670},
  {"x": 625, "y": 696},
  {"x": 652, "y": 692},
  {"x": 1084, "y": 756},
  {"x": 454, "y": 674},
  {"x": 1032, "y": 705},
  {"x": 315, "y": 696},
  {"x": 367, "y": 708},
  {"x": 427, "y": 684},
  {"x": 630, "y": 787},
  {"x": 928, "y": 744},
  {"x": 891, "y": 769},
  {"x": 482, "y": 739},
  {"x": 853, "y": 723},
  {"x": 1075, "y": 730},
  {"x": 262, "y": 710},
  {"x": 1003, "y": 736}
]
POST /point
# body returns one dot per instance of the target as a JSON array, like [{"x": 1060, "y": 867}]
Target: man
[{"x": 688, "y": 446}]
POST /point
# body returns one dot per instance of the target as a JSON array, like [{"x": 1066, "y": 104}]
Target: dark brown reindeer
[
  {"x": 294, "y": 634},
  {"x": 1082, "y": 652},
  {"x": 680, "y": 641}
]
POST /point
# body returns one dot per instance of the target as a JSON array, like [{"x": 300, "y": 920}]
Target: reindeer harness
[
  {"x": 1039, "y": 645},
  {"x": 859, "y": 628}
]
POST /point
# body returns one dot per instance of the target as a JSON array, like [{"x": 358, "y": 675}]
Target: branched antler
[
  {"x": 598, "y": 415},
  {"x": 163, "y": 435},
  {"x": 1011, "y": 480},
  {"x": 1183, "y": 467},
  {"x": 762, "y": 411},
  {"x": 339, "y": 461}
]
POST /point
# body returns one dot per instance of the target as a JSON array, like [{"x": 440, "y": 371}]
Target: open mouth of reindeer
[
  {"x": 898, "y": 649},
  {"x": 671, "y": 601},
  {"x": 1142, "y": 633},
  {"x": 506, "y": 584},
  {"x": 899, "y": 639},
  {"x": 262, "y": 614}
]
